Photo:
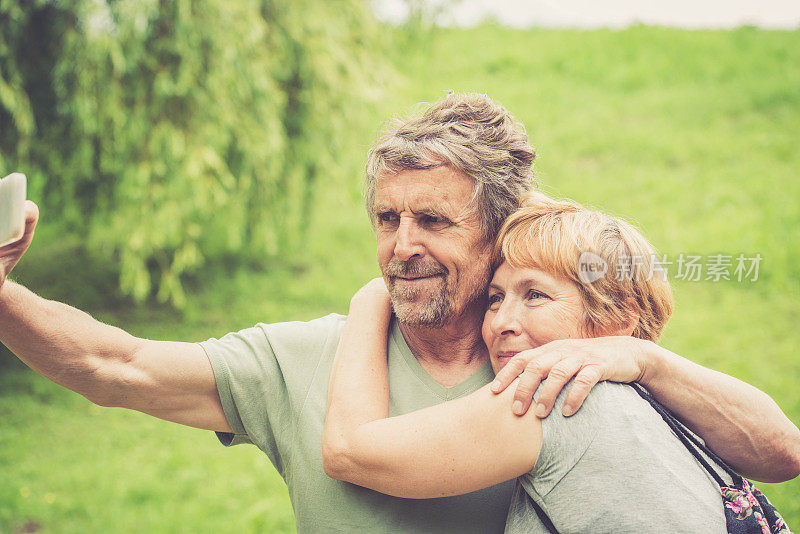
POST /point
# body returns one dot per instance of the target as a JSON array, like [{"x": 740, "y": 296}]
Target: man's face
[{"x": 431, "y": 249}]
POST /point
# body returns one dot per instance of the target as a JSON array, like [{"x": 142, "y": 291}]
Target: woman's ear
[
  {"x": 632, "y": 318},
  {"x": 629, "y": 323},
  {"x": 628, "y": 328}
]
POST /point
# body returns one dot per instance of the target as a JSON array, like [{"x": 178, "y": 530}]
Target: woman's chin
[{"x": 498, "y": 362}]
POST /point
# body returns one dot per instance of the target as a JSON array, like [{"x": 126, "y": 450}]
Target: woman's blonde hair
[{"x": 564, "y": 238}]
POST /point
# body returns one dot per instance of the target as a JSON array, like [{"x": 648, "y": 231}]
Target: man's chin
[
  {"x": 417, "y": 294},
  {"x": 414, "y": 314}
]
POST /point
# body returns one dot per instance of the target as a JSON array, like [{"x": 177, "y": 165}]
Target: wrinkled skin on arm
[{"x": 170, "y": 380}]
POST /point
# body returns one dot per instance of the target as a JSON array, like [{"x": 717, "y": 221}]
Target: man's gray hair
[{"x": 470, "y": 133}]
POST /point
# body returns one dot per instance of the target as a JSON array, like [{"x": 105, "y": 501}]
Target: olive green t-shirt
[{"x": 273, "y": 383}]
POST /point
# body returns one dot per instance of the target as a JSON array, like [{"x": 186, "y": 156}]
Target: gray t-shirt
[
  {"x": 273, "y": 384},
  {"x": 615, "y": 467}
]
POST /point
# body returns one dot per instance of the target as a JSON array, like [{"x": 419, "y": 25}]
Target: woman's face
[{"x": 528, "y": 308}]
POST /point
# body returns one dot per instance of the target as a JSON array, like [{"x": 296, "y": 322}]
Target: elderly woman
[{"x": 614, "y": 466}]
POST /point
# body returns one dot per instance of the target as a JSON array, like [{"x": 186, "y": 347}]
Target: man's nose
[
  {"x": 506, "y": 320},
  {"x": 408, "y": 244}
]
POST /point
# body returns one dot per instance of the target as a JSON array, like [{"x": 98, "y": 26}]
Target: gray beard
[
  {"x": 437, "y": 310},
  {"x": 434, "y": 313}
]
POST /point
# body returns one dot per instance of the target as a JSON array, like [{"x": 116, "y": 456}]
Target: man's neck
[{"x": 452, "y": 353}]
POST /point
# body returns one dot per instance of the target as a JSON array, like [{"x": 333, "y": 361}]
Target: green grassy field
[{"x": 691, "y": 135}]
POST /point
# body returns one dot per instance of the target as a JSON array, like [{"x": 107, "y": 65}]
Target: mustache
[{"x": 413, "y": 268}]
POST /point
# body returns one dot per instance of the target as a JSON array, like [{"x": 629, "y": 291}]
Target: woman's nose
[{"x": 506, "y": 320}]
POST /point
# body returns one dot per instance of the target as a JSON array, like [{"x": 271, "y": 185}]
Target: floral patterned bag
[{"x": 747, "y": 510}]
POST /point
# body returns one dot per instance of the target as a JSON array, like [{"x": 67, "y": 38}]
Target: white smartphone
[{"x": 12, "y": 208}]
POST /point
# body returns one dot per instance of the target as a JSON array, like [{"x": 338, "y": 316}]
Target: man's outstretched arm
[
  {"x": 739, "y": 422},
  {"x": 110, "y": 367}
]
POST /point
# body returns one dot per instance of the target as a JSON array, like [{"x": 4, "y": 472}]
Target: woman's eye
[
  {"x": 536, "y": 295},
  {"x": 495, "y": 300}
]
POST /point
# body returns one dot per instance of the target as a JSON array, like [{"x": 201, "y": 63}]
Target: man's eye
[
  {"x": 495, "y": 300},
  {"x": 387, "y": 217},
  {"x": 434, "y": 219}
]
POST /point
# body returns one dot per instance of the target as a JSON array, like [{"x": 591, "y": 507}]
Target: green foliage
[
  {"x": 171, "y": 131},
  {"x": 690, "y": 134}
]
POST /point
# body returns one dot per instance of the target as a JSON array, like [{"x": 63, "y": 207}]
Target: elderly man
[{"x": 438, "y": 187}]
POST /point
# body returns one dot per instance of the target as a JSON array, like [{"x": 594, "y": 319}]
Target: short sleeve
[
  {"x": 235, "y": 355},
  {"x": 263, "y": 375},
  {"x": 564, "y": 439}
]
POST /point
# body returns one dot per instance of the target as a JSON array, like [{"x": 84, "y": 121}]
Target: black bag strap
[
  {"x": 689, "y": 440},
  {"x": 543, "y": 517}
]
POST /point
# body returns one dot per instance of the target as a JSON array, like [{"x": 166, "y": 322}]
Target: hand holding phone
[
  {"x": 12, "y": 208},
  {"x": 18, "y": 218}
]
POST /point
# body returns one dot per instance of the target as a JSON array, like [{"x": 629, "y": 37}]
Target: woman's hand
[
  {"x": 373, "y": 292},
  {"x": 618, "y": 358},
  {"x": 370, "y": 302}
]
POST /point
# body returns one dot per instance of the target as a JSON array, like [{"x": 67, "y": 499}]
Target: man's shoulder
[
  {"x": 299, "y": 338},
  {"x": 289, "y": 337},
  {"x": 321, "y": 326}
]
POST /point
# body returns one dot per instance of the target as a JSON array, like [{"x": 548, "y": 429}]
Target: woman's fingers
[
  {"x": 373, "y": 291},
  {"x": 537, "y": 369},
  {"x": 511, "y": 371},
  {"x": 376, "y": 286},
  {"x": 557, "y": 378},
  {"x": 588, "y": 360},
  {"x": 585, "y": 380}
]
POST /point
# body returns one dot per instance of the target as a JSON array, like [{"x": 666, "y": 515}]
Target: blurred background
[{"x": 198, "y": 165}]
